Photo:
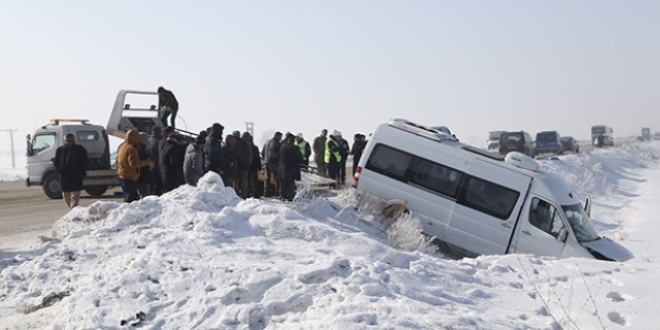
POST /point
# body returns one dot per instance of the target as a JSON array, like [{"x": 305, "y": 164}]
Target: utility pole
[{"x": 11, "y": 138}]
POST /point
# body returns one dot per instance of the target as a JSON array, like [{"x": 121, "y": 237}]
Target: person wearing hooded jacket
[
  {"x": 289, "y": 167},
  {"x": 128, "y": 165},
  {"x": 70, "y": 162},
  {"x": 193, "y": 164},
  {"x": 228, "y": 162},
  {"x": 243, "y": 154},
  {"x": 145, "y": 178},
  {"x": 171, "y": 162},
  {"x": 213, "y": 150}
]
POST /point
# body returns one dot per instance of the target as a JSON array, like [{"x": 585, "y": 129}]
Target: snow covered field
[
  {"x": 9, "y": 173},
  {"x": 203, "y": 258}
]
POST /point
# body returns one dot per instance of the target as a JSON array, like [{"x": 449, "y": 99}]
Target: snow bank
[{"x": 204, "y": 258}]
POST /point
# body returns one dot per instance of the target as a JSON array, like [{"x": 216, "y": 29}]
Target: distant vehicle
[
  {"x": 548, "y": 141},
  {"x": 519, "y": 141},
  {"x": 473, "y": 200},
  {"x": 602, "y": 135},
  {"x": 656, "y": 136},
  {"x": 569, "y": 144},
  {"x": 646, "y": 133},
  {"x": 494, "y": 139}
]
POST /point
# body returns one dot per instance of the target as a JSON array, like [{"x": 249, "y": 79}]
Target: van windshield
[{"x": 582, "y": 227}]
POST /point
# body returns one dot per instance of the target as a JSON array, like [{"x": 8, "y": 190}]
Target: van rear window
[
  {"x": 511, "y": 137},
  {"x": 546, "y": 137},
  {"x": 488, "y": 197},
  {"x": 437, "y": 177},
  {"x": 389, "y": 161}
]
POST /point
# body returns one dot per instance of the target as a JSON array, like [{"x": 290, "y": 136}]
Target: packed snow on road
[{"x": 201, "y": 257}]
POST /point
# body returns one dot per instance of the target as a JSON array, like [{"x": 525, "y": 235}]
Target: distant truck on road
[
  {"x": 646, "y": 134},
  {"x": 494, "y": 139},
  {"x": 602, "y": 135}
]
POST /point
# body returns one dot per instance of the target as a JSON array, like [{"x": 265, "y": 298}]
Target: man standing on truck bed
[
  {"x": 167, "y": 104},
  {"x": 70, "y": 161}
]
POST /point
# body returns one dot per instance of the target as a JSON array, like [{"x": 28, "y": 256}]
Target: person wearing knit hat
[
  {"x": 193, "y": 163},
  {"x": 332, "y": 156}
]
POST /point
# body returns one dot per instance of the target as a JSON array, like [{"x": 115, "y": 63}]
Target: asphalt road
[{"x": 26, "y": 213}]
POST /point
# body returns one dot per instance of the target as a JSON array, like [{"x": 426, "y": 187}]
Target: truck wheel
[
  {"x": 96, "y": 191},
  {"x": 52, "y": 187}
]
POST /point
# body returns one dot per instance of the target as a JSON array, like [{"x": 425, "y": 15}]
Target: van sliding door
[{"x": 488, "y": 205}]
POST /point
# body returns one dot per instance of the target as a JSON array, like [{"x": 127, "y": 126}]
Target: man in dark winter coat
[
  {"x": 145, "y": 178},
  {"x": 243, "y": 153},
  {"x": 171, "y": 162},
  {"x": 167, "y": 132},
  {"x": 70, "y": 162},
  {"x": 332, "y": 155},
  {"x": 213, "y": 149},
  {"x": 344, "y": 150},
  {"x": 357, "y": 149},
  {"x": 154, "y": 157},
  {"x": 228, "y": 162},
  {"x": 167, "y": 104},
  {"x": 270, "y": 154},
  {"x": 255, "y": 166},
  {"x": 289, "y": 167}
]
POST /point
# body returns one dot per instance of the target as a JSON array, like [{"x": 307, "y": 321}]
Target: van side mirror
[
  {"x": 562, "y": 235},
  {"x": 587, "y": 206},
  {"x": 152, "y": 107}
]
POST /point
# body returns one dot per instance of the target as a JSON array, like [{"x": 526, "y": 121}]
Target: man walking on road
[
  {"x": 319, "y": 152},
  {"x": 71, "y": 161}
]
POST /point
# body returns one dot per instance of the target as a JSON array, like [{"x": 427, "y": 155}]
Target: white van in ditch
[{"x": 476, "y": 201}]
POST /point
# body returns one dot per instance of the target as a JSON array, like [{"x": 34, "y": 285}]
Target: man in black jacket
[
  {"x": 228, "y": 162},
  {"x": 344, "y": 150},
  {"x": 167, "y": 104},
  {"x": 289, "y": 167},
  {"x": 171, "y": 162},
  {"x": 357, "y": 149},
  {"x": 154, "y": 157},
  {"x": 213, "y": 149},
  {"x": 270, "y": 154},
  {"x": 71, "y": 161},
  {"x": 243, "y": 153},
  {"x": 254, "y": 190}
]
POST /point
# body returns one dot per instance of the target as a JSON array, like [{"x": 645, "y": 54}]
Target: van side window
[
  {"x": 545, "y": 217},
  {"x": 87, "y": 135},
  {"x": 488, "y": 197},
  {"x": 389, "y": 161},
  {"x": 437, "y": 177}
]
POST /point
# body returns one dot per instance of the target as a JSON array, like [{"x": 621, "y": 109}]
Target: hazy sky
[{"x": 473, "y": 66}]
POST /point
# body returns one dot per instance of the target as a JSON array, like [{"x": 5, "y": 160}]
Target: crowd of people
[{"x": 156, "y": 164}]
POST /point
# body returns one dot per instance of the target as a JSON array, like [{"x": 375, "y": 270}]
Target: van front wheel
[
  {"x": 392, "y": 212},
  {"x": 52, "y": 187}
]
